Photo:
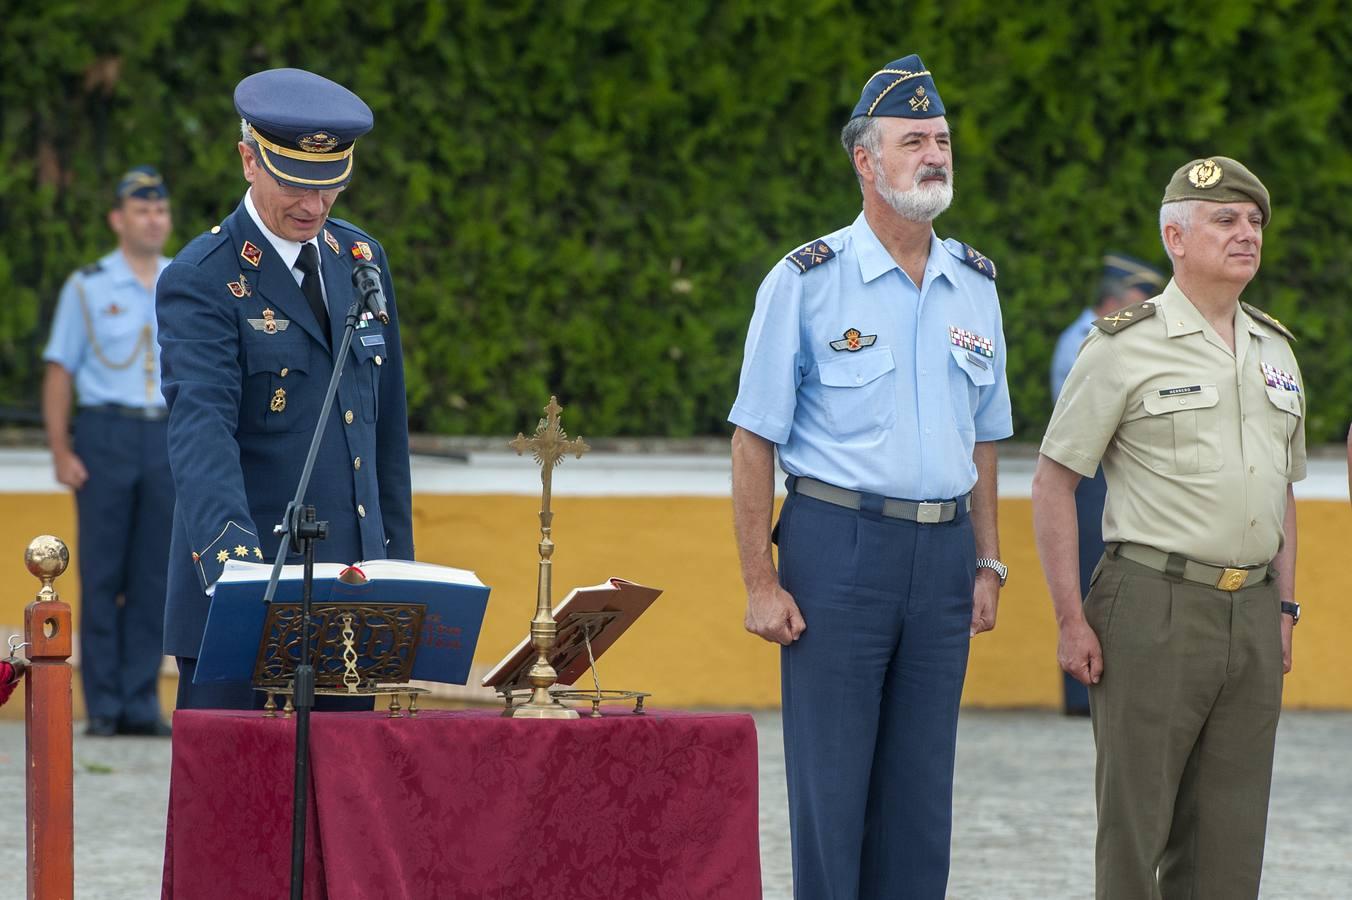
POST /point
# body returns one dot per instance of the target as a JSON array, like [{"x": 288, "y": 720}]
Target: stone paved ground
[{"x": 1024, "y": 811}]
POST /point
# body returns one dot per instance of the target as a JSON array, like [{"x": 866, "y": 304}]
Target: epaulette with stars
[
  {"x": 1126, "y": 317},
  {"x": 1270, "y": 321},
  {"x": 811, "y": 256},
  {"x": 91, "y": 269},
  {"x": 974, "y": 258}
]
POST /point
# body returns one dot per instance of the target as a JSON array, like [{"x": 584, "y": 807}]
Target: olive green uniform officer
[{"x": 1194, "y": 404}]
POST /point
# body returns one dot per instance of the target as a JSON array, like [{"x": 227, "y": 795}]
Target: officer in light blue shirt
[
  {"x": 103, "y": 351},
  {"x": 1125, "y": 281},
  {"x": 875, "y": 368}
]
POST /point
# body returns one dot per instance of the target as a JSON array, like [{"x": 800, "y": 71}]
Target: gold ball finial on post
[{"x": 47, "y": 557}]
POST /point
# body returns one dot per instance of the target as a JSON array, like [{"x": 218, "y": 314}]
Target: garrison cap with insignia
[
  {"x": 306, "y": 126},
  {"x": 1126, "y": 317},
  {"x": 1218, "y": 179},
  {"x": 904, "y": 89},
  {"x": 141, "y": 183},
  {"x": 810, "y": 256},
  {"x": 1133, "y": 272}
]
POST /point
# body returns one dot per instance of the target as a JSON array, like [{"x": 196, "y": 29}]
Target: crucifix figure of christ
[{"x": 548, "y": 445}]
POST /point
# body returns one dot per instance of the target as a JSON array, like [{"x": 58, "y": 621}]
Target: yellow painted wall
[{"x": 690, "y": 648}]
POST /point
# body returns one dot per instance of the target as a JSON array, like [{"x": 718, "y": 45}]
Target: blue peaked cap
[
  {"x": 903, "y": 89},
  {"x": 305, "y": 124}
]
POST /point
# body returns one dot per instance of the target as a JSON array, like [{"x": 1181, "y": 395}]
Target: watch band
[
  {"x": 995, "y": 566},
  {"x": 1292, "y": 609}
]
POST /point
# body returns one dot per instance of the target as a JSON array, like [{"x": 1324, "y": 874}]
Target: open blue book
[{"x": 455, "y": 599}]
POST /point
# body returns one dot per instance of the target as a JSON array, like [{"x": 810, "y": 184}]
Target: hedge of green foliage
[{"x": 581, "y": 197}]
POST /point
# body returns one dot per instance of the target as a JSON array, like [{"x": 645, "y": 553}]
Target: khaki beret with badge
[{"x": 1218, "y": 179}]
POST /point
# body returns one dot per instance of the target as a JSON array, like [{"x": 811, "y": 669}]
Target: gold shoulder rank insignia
[
  {"x": 983, "y": 264},
  {"x": 1269, "y": 321},
  {"x": 811, "y": 256},
  {"x": 1126, "y": 317}
]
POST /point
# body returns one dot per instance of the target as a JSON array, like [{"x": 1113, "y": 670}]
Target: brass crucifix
[{"x": 549, "y": 445}]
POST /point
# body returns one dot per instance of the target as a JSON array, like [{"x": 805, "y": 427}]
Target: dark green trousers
[{"x": 1185, "y": 719}]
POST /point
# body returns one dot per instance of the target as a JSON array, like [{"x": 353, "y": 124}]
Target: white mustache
[{"x": 931, "y": 172}]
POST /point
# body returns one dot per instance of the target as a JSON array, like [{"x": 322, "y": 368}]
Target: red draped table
[{"x": 467, "y": 805}]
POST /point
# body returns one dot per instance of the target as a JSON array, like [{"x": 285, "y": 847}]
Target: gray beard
[{"x": 920, "y": 203}]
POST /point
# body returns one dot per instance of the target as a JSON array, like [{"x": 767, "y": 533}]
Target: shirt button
[
  {"x": 361, "y": 510},
  {"x": 284, "y": 371},
  {"x": 859, "y": 379},
  {"x": 1253, "y": 523},
  {"x": 1250, "y": 470},
  {"x": 378, "y": 359},
  {"x": 347, "y": 417},
  {"x": 356, "y": 463}
]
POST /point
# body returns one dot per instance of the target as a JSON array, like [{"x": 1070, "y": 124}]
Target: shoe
[
  {"x": 99, "y": 727},
  {"x": 145, "y": 729}
]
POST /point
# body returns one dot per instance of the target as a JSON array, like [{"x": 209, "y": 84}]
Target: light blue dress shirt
[
  {"x": 899, "y": 415},
  {"x": 1068, "y": 347},
  {"x": 117, "y": 308}
]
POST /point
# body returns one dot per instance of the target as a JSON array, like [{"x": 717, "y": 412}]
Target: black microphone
[{"x": 366, "y": 279}]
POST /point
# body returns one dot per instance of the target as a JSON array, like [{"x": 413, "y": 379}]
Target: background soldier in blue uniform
[
  {"x": 875, "y": 365},
  {"x": 1125, "y": 281},
  {"x": 102, "y": 348},
  {"x": 250, "y": 314}
]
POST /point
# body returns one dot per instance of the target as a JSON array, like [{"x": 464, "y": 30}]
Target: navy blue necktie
[{"x": 308, "y": 263}]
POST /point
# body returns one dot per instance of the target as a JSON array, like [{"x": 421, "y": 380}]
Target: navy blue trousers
[
  {"x": 870, "y": 695},
  {"x": 125, "y": 513}
]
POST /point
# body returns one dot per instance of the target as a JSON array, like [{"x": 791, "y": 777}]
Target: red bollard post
[{"x": 47, "y": 713}]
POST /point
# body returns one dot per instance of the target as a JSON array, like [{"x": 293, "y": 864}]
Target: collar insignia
[
  {"x": 853, "y": 340},
  {"x": 252, "y": 255},
  {"x": 332, "y": 242}
]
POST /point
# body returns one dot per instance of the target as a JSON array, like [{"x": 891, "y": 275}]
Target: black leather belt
[
  {"x": 142, "y": 413},
  {"x": 925, "y": 512}
]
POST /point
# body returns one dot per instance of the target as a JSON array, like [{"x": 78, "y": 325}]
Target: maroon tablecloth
[{"x": 467, "y": 805}]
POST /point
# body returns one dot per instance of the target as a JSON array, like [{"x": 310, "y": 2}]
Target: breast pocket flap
[
  {"x": 856, "y": 369},
  {"x": 1286, "y": 401},
  {"x": 269, "y": 354},
  {"x": 980, "y": 369},
  {"x": 1172, "y": 400}
]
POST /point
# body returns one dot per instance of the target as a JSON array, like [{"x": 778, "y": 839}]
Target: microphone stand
[{"x": 299, "y": 531}]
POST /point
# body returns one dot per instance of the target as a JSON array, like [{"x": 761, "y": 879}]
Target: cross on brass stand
[{"x": 549, "y": 445}]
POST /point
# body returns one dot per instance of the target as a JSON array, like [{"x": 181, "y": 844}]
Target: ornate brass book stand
[{"x": 356, "y": 649}]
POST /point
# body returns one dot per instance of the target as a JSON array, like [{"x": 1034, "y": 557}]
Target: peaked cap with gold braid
[{"x": 306, "y": 126}]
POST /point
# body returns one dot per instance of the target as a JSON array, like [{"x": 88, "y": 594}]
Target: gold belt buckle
[
  {"x": 1232, "y": 579},
  {"x": 928, "y": 513}
]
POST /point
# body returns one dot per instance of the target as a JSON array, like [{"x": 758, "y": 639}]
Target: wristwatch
[
  {"x": 995, "y": 566},
  {"x": 1289, "y": 608}
]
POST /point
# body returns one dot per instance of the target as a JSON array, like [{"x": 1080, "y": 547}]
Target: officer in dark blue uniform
[
  {"x": 102, "y": 348},
  {"x": 875, "y": 368},
  {"x": 250, "y": 315}
]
